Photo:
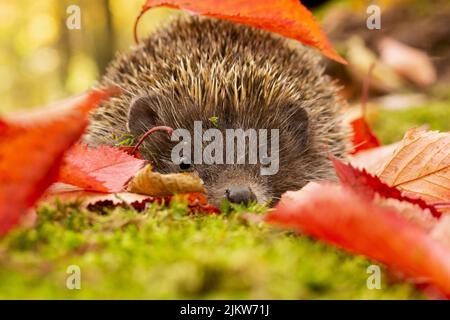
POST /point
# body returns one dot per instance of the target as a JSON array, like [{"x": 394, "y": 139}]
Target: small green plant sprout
[
  {"x": 215, "y": 121},
  {"x": 124, "y": 141}
]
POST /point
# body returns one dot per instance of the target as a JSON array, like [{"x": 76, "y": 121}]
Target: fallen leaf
[
  {"x": 443, "y": 207},
  {"x": 360, "y": 59},
  {"x": 365, "y": 228},
  {"x": 441, "y": 231},
  {"x": 156, "y": 184},
  {"x": 363, "y": 137},
  {"x": 373, "y": 159},
  {"x": 411, "y": 63},
  {"x": 104, "y": 169},
  {"x": 401, "y": 101},
  {"x": 413, "y": 213},
  {"x": 367, "y": 185},
  {"x": 197, "y": 203},
  {"x": 420, "y": 166},
  {"x": 288, "y": 18},
  {"x": 31, "y": 151},
  {"x": 97, "y": 201}
]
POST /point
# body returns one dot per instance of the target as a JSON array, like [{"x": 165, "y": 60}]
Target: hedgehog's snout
[
  {"x": 237, "y": 185},
  {"x": 239, "y": 194}
]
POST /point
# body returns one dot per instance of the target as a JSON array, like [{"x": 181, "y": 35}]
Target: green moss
[
  {"x": 390, "y": 126},
  {"x": 164, "y": 253}
]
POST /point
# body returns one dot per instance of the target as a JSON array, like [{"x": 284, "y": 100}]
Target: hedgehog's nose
[{"x": 240, "y": 194}]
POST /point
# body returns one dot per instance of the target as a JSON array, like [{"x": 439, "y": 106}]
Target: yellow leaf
[{"x": 156, "y": 184}]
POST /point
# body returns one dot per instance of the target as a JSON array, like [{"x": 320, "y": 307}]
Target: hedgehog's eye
[{"x": 185, "y": 166}]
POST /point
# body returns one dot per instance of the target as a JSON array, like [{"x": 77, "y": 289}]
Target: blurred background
[{"x": 41, "y": 60}]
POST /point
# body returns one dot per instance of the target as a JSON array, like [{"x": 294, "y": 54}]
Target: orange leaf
[
  {"x": 103, "y": 169},
  {"x": 31, "y": 150},
  {"x": 365, "y": 228},
  {"x": 288, "y": 18},
  {"x": 420, "y": 166}
]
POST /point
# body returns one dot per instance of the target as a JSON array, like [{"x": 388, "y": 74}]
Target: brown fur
[{"x": 196, "y": 68}]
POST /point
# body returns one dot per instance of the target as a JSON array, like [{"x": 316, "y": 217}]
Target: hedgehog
[{"x": 198, "y": 69}]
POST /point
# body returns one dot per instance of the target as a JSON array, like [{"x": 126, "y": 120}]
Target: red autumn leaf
[
  {"x": 441, "y": 231},
  {"x": 366, "y": 185},
  {"x": 363, "y": 136},
  {"x": 32, "y": 147},
  {"x": 131, "y": 151},
  {"x": 198, "y": 203},
  {"x": 103, "y": 169},
  {"x": 288, "y": 18},
  {"x": 365, "y": 228},
  {"x": 442, "y": 206}
]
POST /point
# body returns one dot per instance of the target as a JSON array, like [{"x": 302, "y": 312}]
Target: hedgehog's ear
[
  {"x": 142, "y": 115},
  {"x": 298, "y": 123}
]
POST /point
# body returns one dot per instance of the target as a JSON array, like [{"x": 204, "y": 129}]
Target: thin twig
[{"x": 365, "y": 89}]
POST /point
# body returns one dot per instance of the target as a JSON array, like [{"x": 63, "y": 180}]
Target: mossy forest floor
[{"x": 163, "y": 253}]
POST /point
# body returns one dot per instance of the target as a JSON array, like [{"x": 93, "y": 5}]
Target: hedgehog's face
[{"x": 278, "y": 160}]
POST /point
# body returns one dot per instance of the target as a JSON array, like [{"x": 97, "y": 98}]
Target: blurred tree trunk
[
  {"x": 105, "y": 39},
  {"x": 64, "y": 46}
]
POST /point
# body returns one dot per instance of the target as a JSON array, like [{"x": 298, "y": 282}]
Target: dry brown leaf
[
  {"x": 156, "y": 184},
  {"x": 420, "y": 166}
]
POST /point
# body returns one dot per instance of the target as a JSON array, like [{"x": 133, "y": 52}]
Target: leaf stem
[
  {"x": 169, "y": 130},
  {"x": 365, "y": 89}
]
